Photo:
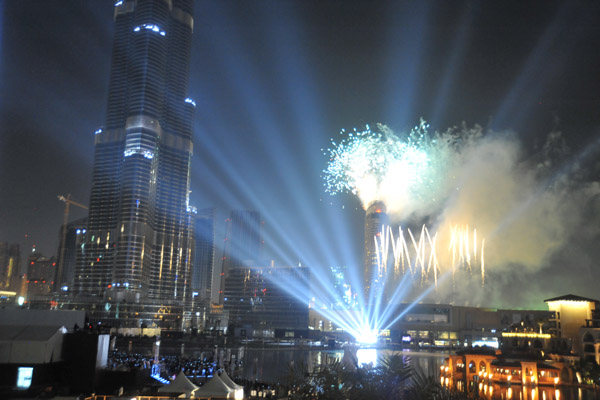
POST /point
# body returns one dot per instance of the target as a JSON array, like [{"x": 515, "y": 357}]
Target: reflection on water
[
  {"x": 519, "y": 392},
  {"x": 272, "y": 365},
  {"x": 366, "y": 356}
]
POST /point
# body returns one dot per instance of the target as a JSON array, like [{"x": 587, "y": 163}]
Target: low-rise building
[{"x": 442, "y": 325}]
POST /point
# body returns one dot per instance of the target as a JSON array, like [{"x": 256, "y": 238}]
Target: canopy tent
[
  {"x": 216, "y": 387},
  {"x": 31, "y": 344},
  {"x": 181, "y": 384},
  {"x": 229, "y": 382}
]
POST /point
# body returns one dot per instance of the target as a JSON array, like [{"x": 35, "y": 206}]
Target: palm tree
[
  {"x": 392, "y": 379},
  {"x": 338, "y": 380}
]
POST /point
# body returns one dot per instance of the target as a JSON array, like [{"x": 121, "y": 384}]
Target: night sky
[{"x": 275, "y": 80}]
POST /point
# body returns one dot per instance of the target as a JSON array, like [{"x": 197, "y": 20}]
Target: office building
[
  {"x": 139, "y": 240},
  {"x": 260, "y": 304},
  {"x": 69, "y": 245},
  {"x": 10, "y": 257},
  {"x": 41, "y": 272},
  {"x": 204, "y": 254},
  {"x": 242, "y": 245}
]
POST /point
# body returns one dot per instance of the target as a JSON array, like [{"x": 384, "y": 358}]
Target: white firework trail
[{"x": 421, "y": 255}]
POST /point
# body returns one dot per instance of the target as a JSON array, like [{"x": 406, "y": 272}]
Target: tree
[{"x": 391, "y": 379}]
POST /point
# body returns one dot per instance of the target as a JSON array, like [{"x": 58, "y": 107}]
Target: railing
[
  {"x": 140, "y": 397},
  {"x": 111, "y": 397}
]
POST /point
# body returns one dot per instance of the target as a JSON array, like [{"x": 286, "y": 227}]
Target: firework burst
[{"x": 378, "y": 165}]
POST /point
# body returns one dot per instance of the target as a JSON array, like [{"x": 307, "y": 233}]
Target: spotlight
[{"x": 367, "y": 336}]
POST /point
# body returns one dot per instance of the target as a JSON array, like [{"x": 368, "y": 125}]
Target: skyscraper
[
  {"x": 204, "y": 253},
  {"x": 41, "y": 272},
  {"x": 258, "y": 302},
  {"x": 10, "y": 257},
  {"x": 242, "y": 246},
  {"x": 375, "y": 218},
  {"x": 138, "y": 245},
  {"x": 68, "y": 250}
]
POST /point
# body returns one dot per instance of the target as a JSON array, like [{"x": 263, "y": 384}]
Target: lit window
[{"x": 150, "y": 27}]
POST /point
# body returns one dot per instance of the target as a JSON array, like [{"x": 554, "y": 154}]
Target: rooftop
[{"x": 571, "y": 297}]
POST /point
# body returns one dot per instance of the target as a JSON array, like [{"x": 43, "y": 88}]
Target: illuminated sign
[{"x": 24, "y": 377}]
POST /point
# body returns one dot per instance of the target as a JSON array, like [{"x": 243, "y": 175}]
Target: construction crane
[{"x": 63, "y": 238}]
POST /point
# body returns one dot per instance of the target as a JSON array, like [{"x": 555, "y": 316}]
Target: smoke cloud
[{"x": 531, "y": 209}]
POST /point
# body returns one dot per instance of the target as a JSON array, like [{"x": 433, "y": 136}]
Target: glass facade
[
  {"x": 243, "y": 243},
  {"x": 68, "y": 250},
  {"x": 256, "y": 299},
  {"x": 204, "y": 253},
  {"x": 139, "y": 241}
]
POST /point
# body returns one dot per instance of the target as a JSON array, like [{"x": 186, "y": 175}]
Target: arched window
[
  {"x": 588, "y": 348},
  {"x": 460, "y": 366},
  {"x": 482, "y": 366}
]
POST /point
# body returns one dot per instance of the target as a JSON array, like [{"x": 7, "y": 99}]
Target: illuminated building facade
[
  {"x": 242, "y": 247},
  {"x": 589, "y": 336},
  {"x": 41, "y": 272},
  {"x": 139, "y": 240},
  {"x": 10, "y": 257},
  {"x": 259, "y": 304},
  {"x": 72, "y": 243},
  {"x": 375, "y": 217},
  {"x": 571, "y": 314},
  {"x": 204, "y": 253}
]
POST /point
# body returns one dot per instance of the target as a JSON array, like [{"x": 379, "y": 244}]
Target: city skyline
[{"x": 274, "y": 81}]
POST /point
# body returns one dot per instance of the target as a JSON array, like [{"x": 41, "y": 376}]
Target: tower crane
[{"x": 67, "y": 200}]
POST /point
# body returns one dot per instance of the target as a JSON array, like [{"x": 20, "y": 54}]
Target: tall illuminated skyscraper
[
  {"x": 375, "y": 217},
  {"x": 138, "y": 245}
]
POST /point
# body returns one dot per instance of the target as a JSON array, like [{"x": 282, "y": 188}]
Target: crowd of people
[
  {"x": 169, "y": 365},
  {"x": 197, "y": 369}
]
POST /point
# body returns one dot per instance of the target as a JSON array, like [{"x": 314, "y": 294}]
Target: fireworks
[
  {"x": 421, "y": 255},
  {"x": 383, "y": 166},
  {"x": 414, "y": 175}
]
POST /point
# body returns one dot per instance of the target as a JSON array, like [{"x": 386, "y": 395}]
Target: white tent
[
  {"x": 181, "y": 384},
  {"x": 229, "y": 382},
  {"x": 31, "y": 344},
  {"x": 216, "y": 387}
]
